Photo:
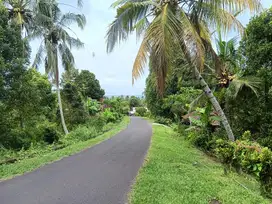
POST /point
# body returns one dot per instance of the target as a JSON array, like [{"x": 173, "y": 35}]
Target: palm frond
[
  {"x": 163, "y": 34},
  {"x": 119, "y": 3},
  {"x": 70, "y": 18},
  {"x": 38, "y": 57},
  {"x": 141, "y": 26},
  {"x": 72, "y": 42},
  {"x": 239, "y": 5},
  {"x": 51, "y": 58},
  {"x": 193, "y": 42},
  {"x": 67, "y": 57},
  {"x": 141, "y": 60},
  {"x": 80, "y": 3},
  {"x": 127, "y": 16},
  {"x": 221, "y": 17},
  {"x": 239, "y": 82}
]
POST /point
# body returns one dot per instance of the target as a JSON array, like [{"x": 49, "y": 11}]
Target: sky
[{"x": 112, "y": 70}]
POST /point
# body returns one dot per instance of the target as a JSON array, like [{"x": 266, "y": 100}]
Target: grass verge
[
  {"x": 11, "y": 170},
  {"x": 175, "y": 173}
]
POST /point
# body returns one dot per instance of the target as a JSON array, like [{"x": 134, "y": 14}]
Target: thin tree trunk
[
  {"x": 209, "y": 93},
  {"x": 58, "y": 92},
  {"x": 215, "y": 104},
  {"x": 61, "y": 112}
]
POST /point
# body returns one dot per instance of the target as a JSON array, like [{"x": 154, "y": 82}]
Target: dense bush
[
  {"x": 82, "y": 133},
  {"x": 141, "y": 111},
  {"x": 249, "y": 157},
  {"x": 111, "y": 116},
  {"x": 93, "y": 107},
  {"x": 241, "y": 155},
  {"x": 162, "y": 120}
]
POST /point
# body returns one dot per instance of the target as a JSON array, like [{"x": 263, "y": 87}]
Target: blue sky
[{"x": 113, "y": 70}]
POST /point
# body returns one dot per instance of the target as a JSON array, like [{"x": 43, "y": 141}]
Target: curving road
[{"x": 102, "y": 174}]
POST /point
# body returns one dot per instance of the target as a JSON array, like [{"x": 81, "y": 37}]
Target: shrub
[
  {"x": 51, "y": 135},
  {"x": 98, "y": 122},
  {"x": 141, "y": 111},
  {"x": 82, "y": 133},
  {"x": 93, "y": 106},
  {"x": 162, "y": 120},
  {"x": 19, "y": 139},
  {"x": 49, "y": 132},
  {"x": 109, "y": 116},
  {"x": 250, "y": 157},
  {"x": 125, "y": 110},
  {"x": 108, "y": 127}
]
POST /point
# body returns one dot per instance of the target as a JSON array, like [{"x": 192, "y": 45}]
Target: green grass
[
  {"x": 177, "y": 173},
  {"x": 10, "y": 170}
]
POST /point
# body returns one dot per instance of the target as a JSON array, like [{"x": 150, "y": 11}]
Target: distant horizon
[{"x": 110, "y": 95}]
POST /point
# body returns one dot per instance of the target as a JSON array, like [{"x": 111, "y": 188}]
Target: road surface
[{"x": 102, "y": 174}]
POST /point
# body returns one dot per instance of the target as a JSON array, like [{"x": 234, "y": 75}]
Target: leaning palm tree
[
  {"x": 164, "y": 24},
  {"x": 56, "y": 43}
]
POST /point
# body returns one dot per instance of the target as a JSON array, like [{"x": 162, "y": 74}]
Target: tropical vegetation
[
  {"x": 37, "y": 110},
  {"x": 213, "y": 91}
]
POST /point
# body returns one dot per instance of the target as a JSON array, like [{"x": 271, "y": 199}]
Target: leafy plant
[
  {"x": 141, "y": 111},
  {"x": 93, "y": 107}
]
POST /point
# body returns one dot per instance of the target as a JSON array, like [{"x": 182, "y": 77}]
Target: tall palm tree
[
  {"x": 56, "y": 43},
  {"x": 164, "y": 24}
]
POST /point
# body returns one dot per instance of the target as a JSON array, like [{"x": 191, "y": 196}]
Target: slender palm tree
[
  {"x": 164, "y": 24},
  {"x": 56, "y": 43}
]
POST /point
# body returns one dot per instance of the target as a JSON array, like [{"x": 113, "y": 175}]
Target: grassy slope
[
  {"x": 171, "y": 175},
  {"x": 11, "y": 170}
]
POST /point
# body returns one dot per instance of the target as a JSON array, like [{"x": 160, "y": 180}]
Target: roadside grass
[
  {"x": 8, "y": 171},
  {"x": 177, "y": 173}
]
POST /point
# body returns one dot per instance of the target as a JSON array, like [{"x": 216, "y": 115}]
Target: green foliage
[
  {"x": 154, "y": 101},
  {"x": 39, "y": 154},
  {"x": 162, "y": 120},
  {"x": 248, "y": 112},
  {"x": 110, "y": 116},
  {"x": 251, "y": 158},
  {"x": 93, "y": 107},
  {"x": 88, "y": 85},
  {"x": 73, "y": 106},
  {"x": 81, "y": 133},
  {"x": 50, "y": 133},
  {"x": 141, "y": 111},
  {"x": 134, "y": 102}
]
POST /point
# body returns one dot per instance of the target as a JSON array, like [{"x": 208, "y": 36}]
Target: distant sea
[{"x": 109, "y": 96}]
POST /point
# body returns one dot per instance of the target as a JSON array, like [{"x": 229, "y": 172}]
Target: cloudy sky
[{"x": 113, "y": 70}]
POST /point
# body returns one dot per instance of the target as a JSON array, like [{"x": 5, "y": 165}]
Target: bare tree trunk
[
  {"x": 61, "y": 111},
  {"x": 215, "y": 104},
  {"x": 58, "y": 92}
]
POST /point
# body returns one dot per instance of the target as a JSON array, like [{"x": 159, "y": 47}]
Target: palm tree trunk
[
  {"x": 58, "y": 92},
  {"x": 61, "y": 112},
  {"x": 215, "y": 104}
]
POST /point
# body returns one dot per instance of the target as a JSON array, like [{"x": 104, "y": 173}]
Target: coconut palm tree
[
  {"x": 20, "y": 11},
  {"x": 232, "y": 76},
  {"x": 164, "y": 24},
  {"x": 56, "y": 43}
]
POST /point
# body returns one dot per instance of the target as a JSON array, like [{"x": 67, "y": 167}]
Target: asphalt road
[{"x": 102, "y": 174}]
